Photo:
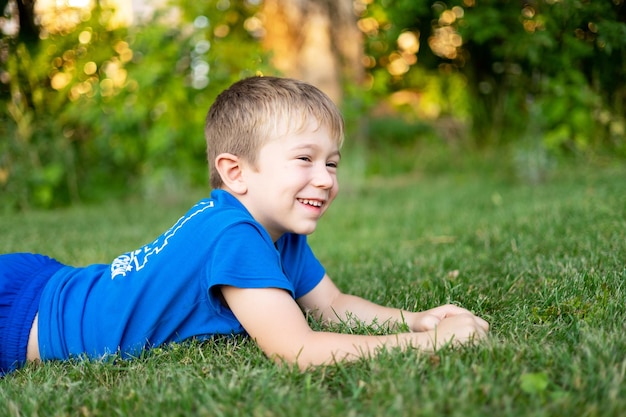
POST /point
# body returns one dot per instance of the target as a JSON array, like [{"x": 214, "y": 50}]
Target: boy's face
[{"x": 293, "y": 181}]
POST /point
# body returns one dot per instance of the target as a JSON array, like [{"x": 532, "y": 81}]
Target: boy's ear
[{"x": 230, "y": 169}]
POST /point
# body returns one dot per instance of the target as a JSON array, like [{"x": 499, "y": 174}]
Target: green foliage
[
  {"x": 542, "y": 263},
  {"x": 97, "y": 111},
  {"x": 39, "y": 153},
  {"x": 567, "y": 56},
  {"x": 94, "y": 111}
]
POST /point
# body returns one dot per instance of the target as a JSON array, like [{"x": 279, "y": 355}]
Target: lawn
[{"x": 543, "y": 263}]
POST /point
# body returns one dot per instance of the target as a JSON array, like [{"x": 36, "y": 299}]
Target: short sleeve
[{"x": 245, "y": 257}]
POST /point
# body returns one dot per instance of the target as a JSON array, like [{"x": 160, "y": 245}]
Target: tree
[
  {"x": 97, "y": 110},
  {"x": 315, "y": 40},
  {"x": 559, "y": 66},
  {"x": 28, "y": 29}
]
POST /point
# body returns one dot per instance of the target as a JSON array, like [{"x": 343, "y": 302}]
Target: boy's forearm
[
  {"x": 322, "y": 348},
  {"x": 325, "y": 347},
  {"x": 352, "y": 309}
]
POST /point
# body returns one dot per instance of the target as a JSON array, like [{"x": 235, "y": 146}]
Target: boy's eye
[
  {"x": 304, "y": 158},
  {"x": 332, "y": 164}
]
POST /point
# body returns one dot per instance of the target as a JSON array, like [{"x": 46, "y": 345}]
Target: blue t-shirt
[{"x": 166, "y": 290}]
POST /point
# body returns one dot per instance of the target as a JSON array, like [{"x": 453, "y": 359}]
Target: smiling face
[
  {"x": 255, "y": 110},
  {"x": 293, "y": 181}
]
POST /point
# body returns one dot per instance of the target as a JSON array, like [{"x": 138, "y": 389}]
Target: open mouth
[{"x": 314, "y": 203}]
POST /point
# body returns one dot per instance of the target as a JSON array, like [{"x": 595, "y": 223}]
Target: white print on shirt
[{"x": 138, "y": 259}]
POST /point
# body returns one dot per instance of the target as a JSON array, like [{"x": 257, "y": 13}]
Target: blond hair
[{"x": 254, "y": 110}]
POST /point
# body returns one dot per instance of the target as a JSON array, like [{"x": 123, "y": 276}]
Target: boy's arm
[
  {"x": 327, "y": 302},
  {"x": 274, "y": 320}
]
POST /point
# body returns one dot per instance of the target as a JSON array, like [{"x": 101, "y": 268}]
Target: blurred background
[{"x": 107, "y": 99}]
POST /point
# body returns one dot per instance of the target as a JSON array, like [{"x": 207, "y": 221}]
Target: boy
[{"x": 235, "y": 262}]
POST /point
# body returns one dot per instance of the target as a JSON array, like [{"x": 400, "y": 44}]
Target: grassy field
[{"x": 544, "y": 264}]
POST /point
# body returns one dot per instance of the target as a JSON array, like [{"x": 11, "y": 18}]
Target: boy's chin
[{"x": 305, "y": 230}]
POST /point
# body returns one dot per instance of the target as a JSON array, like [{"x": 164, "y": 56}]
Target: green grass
[{"x": 544, "y": 264}]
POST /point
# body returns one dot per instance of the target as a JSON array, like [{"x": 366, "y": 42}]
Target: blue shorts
[{"x": 22, "y": 279}]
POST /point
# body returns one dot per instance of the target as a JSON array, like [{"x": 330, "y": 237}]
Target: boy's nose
[{"x": 323, "y": 178}]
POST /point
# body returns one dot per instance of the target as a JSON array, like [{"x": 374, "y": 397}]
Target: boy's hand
[
  {"x": 430, "y": 319},
  {"x": 458, "y": 329}
]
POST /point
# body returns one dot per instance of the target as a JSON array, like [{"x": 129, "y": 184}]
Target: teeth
[{"x": 311, "y": 202}]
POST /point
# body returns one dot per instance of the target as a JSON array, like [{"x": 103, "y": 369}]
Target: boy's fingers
[
  {"x": 449, "y": 310},
  {"x": 452, "y": 310},
  {"x": 482, "y": 323}
]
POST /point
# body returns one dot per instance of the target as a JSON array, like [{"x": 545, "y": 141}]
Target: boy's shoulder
[
  {"x": 219, "y": 202},
  {"x": 226, "y": 206},
  {"x": 217, "y": 214},
  {"x": 222, "y": 216}
]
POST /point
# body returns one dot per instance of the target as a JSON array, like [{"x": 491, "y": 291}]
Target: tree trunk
[
  {"x": 316, "y": 41},
  {"x": 29, "y": 31}
]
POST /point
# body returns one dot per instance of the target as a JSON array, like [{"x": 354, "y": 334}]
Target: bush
[{"x": 95, "y": 111}]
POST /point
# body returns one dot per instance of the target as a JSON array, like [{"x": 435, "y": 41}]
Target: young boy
[{"x": 235, "y": 262}]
